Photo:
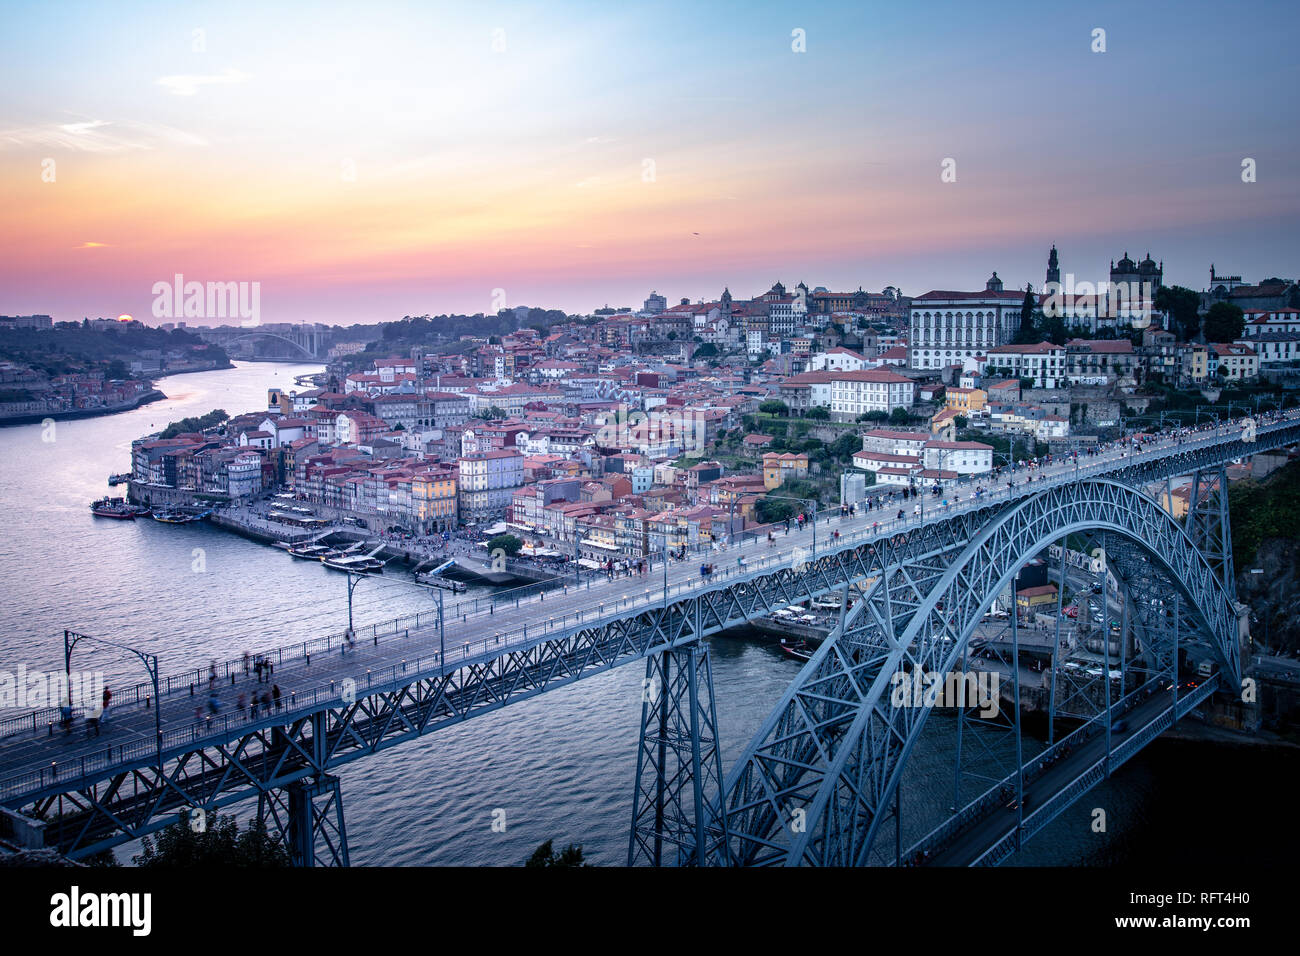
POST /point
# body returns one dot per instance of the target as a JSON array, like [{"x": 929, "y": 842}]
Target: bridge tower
[
  {"x": 679, "y": 764},
  {"x": 1208, "y": 524},
  {"x": 308, "y": 818},
  {"x": 307, "y": 814}
]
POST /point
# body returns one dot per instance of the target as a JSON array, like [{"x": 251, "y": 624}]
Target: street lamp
[
  {"x": 150, "y": 661},
  {"x": 353, "y": 581}
]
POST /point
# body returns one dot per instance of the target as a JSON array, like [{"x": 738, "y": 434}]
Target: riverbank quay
[{"x": 36, "y": 418}]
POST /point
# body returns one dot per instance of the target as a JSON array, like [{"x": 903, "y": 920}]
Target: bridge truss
[{"x": 832, "y": 752}]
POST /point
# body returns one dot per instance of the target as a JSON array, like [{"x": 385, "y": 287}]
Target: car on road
[{"x": 1119, "y": 726}]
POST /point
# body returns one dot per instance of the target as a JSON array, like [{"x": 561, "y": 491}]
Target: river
[{"x": 561, "y": 766}]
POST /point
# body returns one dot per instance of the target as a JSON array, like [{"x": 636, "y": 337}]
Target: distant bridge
[
  {"x": 820, "y": 783},
  {"x": 309, "y": 341}
]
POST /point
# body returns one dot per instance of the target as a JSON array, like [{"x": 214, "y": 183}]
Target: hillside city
[{"x": 626, "y": 433}]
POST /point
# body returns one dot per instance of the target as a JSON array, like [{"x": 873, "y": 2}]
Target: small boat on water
[
  {"x": 438, "y": 581},
  {"x": 114, "y": 508},
  {"x": 178, "y": 517},
  {"x": 311, "y": 552},
  {"x": 801, "y": 650},
  {"x": 355, "y": 564}
]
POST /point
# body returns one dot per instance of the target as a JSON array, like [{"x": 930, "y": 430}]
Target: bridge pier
[
  {"x": 679, "y": 763},
  {"x": 308, "y": 817}
]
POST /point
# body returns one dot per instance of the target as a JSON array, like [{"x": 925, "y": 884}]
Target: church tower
[
  {"x": 994, "y": 284},
  {"x": 1053, "y": 267}
]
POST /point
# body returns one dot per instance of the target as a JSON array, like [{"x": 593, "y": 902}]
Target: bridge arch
[
  {"x": 309, "y": 353},
  {"x": 843, "y": 763}
]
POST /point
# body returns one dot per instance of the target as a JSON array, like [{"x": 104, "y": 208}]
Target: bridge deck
[{"x": 42, "y": 758}]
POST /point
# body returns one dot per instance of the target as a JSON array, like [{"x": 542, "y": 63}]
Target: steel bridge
[
  {"x": 821, "y": 781},
  {"x": 309, "y": 340}
]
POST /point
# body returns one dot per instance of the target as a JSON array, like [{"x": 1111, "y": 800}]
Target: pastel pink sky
[{"x": 528, "y": 169}]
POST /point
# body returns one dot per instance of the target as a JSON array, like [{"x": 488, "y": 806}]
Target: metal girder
[
  {"x": 834, "y": 747},
  {"x": 679, "y": 762},
  {"x": 307, "y": 816},
  {"x": 118, "y": 798},
  {"x": 1208, "y": 524}
]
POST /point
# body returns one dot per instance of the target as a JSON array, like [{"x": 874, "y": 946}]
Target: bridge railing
[{"x": 949, "y": 829}]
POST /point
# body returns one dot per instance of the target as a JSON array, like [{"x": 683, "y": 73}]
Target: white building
[
  {"x": 869, "y": 390},
  {"x": 963, "y": 457},
  {"x": 1044, "y": 362},
  {"x": 950, "y": 327}
]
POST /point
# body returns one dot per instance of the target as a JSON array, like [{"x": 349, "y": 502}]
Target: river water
[{"x": 560, "y": 766}]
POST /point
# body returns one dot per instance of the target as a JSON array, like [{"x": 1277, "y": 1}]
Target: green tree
[
  {"x": 1052, "y": 329},
  {"x": 491, "y": 413},
  {"x": 818, "y": 412},
  {"x": 900, "y": 416},
  {"x": 507, "y": 543},
  {"x": 1224, "y": 322},
  {"x": 219, "y": 844},
  {"x": 844, "y": 446},
  {"x": 195, "y": 424},
  {"x": 774, "y": 407},
  {"x": 1182, "y": 306},
  {"x": 1028, "y": 332},
  {"x": 772, "y": 510},
  {"x": 707, "y": 350},
  {"x": 571, "y": 855},
  {"x": 961, "y": 421}
]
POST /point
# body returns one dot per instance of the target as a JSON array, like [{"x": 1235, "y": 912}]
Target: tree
[
  {"x": 571, "y": 855},
  {"x": 507, "y": 543},
  {"x": 819, "y": 412},
  {"x": 707, "y": 350},
  {"x": 1052, "y": 329},
  {"x": 774, "y": 407},
  {"x": 844, "y": 446},
  {"x": 961, "y": 421},
  {"x": 1028, "y": 333},
  {"x": 772, "y": 510},
  {"x": 491, "y": 413},
  {"x": 116, "y": 369},
  {"x": 218, "y": 844},
  {"x": 1181, "y": 305},
  {"x": 1224, "y": 322},
  {"x": 900, "y": 416}
]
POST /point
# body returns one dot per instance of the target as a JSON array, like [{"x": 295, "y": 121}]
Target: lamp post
[
  {"x": 353, "y": 581},
  {"x": 150, "y": 662}
]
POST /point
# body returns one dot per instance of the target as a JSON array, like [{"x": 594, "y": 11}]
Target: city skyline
[{"x": 416, "y": 161}]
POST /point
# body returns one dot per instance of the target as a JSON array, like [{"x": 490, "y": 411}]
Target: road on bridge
[{"x": 481, "y": 631}]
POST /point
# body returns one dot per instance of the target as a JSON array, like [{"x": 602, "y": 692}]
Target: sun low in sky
[{"x": 368, "y": 161}]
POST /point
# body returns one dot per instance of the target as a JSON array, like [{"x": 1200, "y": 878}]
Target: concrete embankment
[{"x": 35, "y": 418}]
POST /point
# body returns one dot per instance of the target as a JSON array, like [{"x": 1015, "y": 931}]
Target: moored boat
[
  {"x": 113, "y": 508},
  {"x": 311, "y": 552},
  {"x": 178, "y": 517},
  {"x": 797, "y": 649},
  {"x": 356, "y": 564}
]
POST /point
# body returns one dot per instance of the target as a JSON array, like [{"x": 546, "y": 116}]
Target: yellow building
[
  {"x": 778, "y": 468},
  {"x": 964, "y": 401},
  {"x": 1035, "y": 599},
  {"x": 433, "y": 500}
]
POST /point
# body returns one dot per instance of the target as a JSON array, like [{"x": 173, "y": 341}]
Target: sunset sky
[{"x": 228, "y": 156}]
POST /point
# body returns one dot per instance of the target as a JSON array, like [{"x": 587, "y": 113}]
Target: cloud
[
  {"x": 187, "y": 84},
  {"x": 96, "y": 136},
  {"x": 92, "y": 245}
]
